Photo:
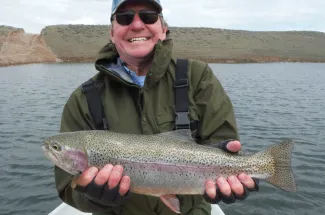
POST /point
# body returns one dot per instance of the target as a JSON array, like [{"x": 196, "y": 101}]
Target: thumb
[{"x": 231, "y": 146}]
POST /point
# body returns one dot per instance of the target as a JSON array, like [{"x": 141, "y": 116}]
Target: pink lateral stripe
[{"x": 168, "y": 167}]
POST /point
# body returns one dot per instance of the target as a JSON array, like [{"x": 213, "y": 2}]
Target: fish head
[{"x": 69, "y": 158}]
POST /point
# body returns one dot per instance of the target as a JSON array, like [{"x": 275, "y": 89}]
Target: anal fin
[{"x": 172, "y": 202}]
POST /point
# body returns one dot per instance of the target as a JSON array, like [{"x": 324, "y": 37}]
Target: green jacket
[{"x": 148, "y": 110}]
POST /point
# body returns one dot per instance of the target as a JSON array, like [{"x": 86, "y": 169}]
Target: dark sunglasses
[{"x": 148, "y": 17}]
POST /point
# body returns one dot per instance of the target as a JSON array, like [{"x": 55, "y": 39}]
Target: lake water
[{"x": 272, "y": 102}]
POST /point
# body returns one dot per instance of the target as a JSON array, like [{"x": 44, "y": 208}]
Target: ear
[
  {"x": 111, "y": 34},
  {"x": 165, "y": 29}
]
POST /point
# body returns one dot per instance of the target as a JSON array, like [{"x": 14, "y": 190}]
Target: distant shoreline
[
  {"x": 80, "y": 44},
  {"x": 215, "y": 61}
]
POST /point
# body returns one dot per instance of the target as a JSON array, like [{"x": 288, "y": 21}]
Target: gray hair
[{"x": 164, "y": 22}]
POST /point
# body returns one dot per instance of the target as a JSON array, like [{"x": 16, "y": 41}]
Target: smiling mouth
[{"x": 138, "y": 39}]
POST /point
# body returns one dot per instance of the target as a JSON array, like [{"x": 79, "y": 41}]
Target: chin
[
  {"x": 140, "y": 56},
  {"x": 141, "y": 53}
]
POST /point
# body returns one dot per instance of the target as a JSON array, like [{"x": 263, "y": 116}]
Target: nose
[
  {"x": 46, "y": 144},
  {"x": 137, "y": 24}
]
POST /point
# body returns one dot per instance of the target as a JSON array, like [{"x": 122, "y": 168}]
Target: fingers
[
  {"x": 105, "y": 186},
  {"x": 230, "y": 189},
  {"x": 109, "y": 173},
  {"x": 104, "y": 174},
  {"x": 234, "y": 146},
  {"x": 224, "y": 192},
  {"x": 211, "y": 189},
  {"x": 246, "y": 180},
  {"x": 115, "y": 177},
  {"x": 87, "y": 176},
  {"x": 236, "y": 186},
  {"x": 124, "y": 185},
  {"x": 224, "y": 186}
]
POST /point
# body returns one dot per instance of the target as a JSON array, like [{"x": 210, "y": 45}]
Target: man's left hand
[{"x": 231, "y": 188}]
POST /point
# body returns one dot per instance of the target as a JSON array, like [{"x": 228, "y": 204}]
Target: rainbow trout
[{"x": 167, "y": 164}]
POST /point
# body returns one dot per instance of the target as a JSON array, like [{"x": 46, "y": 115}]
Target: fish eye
[{"x": 56, "y": 146}]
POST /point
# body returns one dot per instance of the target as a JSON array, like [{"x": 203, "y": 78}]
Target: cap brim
[{"x": 153, "y": 2}]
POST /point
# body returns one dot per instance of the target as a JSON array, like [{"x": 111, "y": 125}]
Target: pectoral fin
[{"x": 172, "y": 202}]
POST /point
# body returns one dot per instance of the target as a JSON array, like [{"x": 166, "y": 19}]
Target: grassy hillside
[
  {"x": 78, "y": 43},
  {"x": 75, "y": 42},
  {"x": 5, "y": 31},
  {"x": 82, "y": 42},
  {"x": 238, "y": 45}
]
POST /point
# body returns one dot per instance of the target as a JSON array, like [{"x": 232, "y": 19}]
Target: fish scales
[{"x": 161, "y": 164}]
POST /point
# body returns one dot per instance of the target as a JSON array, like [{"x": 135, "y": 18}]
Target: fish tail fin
[{"x": 283, "y": 176}]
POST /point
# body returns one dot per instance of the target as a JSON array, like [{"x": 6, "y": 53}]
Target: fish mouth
[
  {"x": 48, "y": 152},
  {"x": 46, "y": 145}
]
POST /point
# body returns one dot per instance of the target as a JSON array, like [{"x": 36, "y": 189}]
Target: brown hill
[
  {"x": 75, "y": 42},
  {"x": 80, "y": 43}
]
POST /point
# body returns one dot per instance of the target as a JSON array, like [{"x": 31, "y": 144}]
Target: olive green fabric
[{"x": 122, "y": 101}]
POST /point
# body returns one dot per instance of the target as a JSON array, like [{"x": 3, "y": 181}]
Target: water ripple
[{"x": 272, "y": 102}]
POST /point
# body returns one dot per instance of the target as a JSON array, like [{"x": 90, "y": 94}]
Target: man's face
[{"x": 137, "y": 40}]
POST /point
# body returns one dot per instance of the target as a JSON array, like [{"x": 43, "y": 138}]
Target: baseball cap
[{"x": 117, "y": 3}]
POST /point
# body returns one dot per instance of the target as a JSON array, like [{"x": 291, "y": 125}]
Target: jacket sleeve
[
  {"x": 211, "y": 106},
  {"x": 74, "y": 118}
]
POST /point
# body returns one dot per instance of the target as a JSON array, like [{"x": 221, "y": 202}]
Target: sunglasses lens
[
  {"x": 148, "y": 17},
  {"x": 124, "y": 18}
]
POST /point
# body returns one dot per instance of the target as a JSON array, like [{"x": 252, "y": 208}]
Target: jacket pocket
[{"x": 166, "y": 120}]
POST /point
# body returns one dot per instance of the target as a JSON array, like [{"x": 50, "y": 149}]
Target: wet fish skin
[{"x": 163, "y": 164}]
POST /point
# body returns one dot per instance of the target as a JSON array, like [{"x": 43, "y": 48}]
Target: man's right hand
[{"x": 108, "y": 186}]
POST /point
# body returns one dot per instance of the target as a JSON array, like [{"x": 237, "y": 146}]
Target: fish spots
[{"x": 157, "y": 161}]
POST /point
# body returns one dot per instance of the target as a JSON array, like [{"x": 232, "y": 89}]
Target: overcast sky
[{"x": 259, "y": 15}]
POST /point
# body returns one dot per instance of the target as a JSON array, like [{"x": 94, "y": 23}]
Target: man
[{"x": 136, "y": 72}]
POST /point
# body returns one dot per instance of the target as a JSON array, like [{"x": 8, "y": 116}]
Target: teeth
[{"x": 138, "y": 39}]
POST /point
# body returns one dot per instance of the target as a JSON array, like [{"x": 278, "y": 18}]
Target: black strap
[
  {"x": 182, "y": 120},
  {"x": 181, "y": 95},
  {"x": 181, "y": 85},
  {"x": 95, "y": 104}
]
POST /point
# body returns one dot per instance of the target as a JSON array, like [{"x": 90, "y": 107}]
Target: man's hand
[
  {"x": 232, "y": 188},
  {"x": 107, "y": 186}
]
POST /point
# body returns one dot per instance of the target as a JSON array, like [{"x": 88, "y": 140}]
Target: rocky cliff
[{"x": 18, "y": 47}]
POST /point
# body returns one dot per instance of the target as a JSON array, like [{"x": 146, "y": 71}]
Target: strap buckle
[{"x": 182, "y": 120}]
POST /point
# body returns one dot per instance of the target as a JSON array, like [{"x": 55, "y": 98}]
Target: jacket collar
[{"x": 107, "y": 63}]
